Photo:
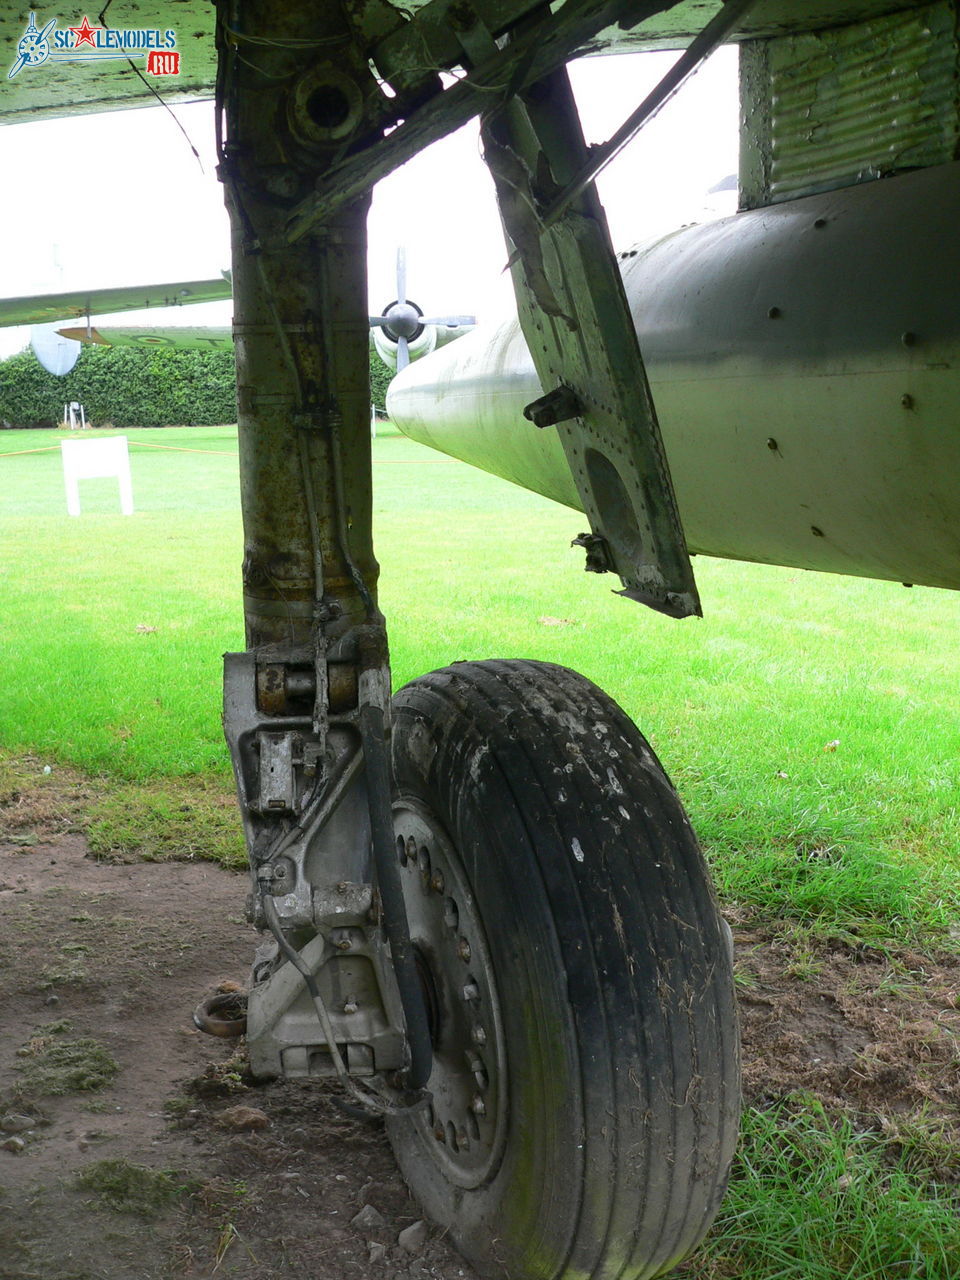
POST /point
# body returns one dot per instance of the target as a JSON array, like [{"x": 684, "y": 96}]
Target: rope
[
  {"x": 51, "y": 448},
  {"x": 14, "y": 453},
  {"x": 229, "y": 453},
  {"x": 177, "y": 448}
]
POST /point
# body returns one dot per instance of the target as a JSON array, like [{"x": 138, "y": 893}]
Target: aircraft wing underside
[
  {"x": 80, "y": 304},
  {"x": 393, "y": 40}
]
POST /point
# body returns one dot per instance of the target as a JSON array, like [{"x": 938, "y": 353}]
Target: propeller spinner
[{"x": 403, "y": 322}]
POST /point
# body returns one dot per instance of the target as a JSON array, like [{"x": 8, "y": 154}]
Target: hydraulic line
[{"x": 369, "y": 1101}]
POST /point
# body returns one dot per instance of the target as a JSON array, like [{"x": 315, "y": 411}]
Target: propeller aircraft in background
[{"x": 400, "y": 334}]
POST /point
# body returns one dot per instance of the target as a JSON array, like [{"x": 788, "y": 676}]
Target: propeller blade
[
  {"x": 403, "y": 353},
  {"x": 401, "y": 274},
  {"x": 450, "y": 322}
]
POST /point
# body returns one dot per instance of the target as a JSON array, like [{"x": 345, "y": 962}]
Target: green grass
[
  {"x": 113, "y": 628},
  {"x": 811, "y": 724},
  {"x": 125, "y": 1187},
  {"x": 814, "y": 1197},
  {"x": 50, "y": 1066}
]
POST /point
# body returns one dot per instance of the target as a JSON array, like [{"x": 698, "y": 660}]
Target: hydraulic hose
[{"x": 369, "y": 1102}]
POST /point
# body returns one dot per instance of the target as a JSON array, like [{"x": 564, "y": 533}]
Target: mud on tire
[{"x": 586, "y": 1087}]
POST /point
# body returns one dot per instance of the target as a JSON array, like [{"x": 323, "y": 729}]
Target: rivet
[
  {"x": 819, "y": 223},
  {"x": 817, "y": 533},
  {"x": 907, "y": 400},
  {"x": 772, "y": 445},
  {"x": 908, "y": 339},
  {"x": 774, "y": 313}
]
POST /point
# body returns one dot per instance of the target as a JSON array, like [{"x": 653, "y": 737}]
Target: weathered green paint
[
  {"x": 805, "y": 361},
  {"x": 75, "y": 89},
  {"x": 301, "y": 342},
  {"x": 577, "y": 325},
  {"x": 848, "y": 105}
]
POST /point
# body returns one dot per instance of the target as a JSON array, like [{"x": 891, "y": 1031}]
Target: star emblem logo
[{"x": 85, "y": 33}]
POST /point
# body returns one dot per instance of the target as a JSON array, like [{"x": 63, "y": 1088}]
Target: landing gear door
[{"x": 577, "y": 324}]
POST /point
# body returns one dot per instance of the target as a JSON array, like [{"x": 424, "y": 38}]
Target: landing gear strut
[{"x": 483, "y": 906}]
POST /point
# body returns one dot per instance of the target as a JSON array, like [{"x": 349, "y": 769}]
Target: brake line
[{"x": 370, "y": 1102}]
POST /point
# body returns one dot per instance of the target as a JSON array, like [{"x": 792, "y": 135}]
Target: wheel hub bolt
[
  {"x": 471, "y": 992},
  {"x": 463, "y": 1142},
  {"x": 439, "y": 1133},
  {"x": 478, "y": 1106},
  {"x": 463, "y": 950},
  {"x": 436, "y": 882},
  {"x": 477, "y": 1034}
]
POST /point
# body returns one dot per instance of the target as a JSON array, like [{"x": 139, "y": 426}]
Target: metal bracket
[
  {"x": 578, "y": 327},
  {"x": 559, "y": 405}
]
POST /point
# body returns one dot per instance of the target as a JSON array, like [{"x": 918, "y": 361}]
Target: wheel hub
[{"x": 465, "y": 1124}]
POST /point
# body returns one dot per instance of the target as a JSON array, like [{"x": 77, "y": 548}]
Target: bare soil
[{"x": 267, "y": 1181}]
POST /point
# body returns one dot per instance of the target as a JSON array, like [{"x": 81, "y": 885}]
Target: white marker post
[{"x": 86, "y": 459}]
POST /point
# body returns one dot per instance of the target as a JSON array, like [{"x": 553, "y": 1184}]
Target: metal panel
[
  {"x": 805, "y": 361},
  {"x": 849, "y": 105},
  {"x": 575, "y": 317}
]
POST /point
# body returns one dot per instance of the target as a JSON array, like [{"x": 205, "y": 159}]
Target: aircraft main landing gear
[{"x": 484, "y": 910}]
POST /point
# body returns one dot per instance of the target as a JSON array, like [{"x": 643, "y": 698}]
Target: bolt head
[
  {"x": 477, "y": 1034},
  {"x": 463, "y": 950},
  {"x": 440, "y": 1133},
  {"x": 436, "y": 882},
  {"x": 471, "y": 992},
  {"x": 478, "y": 1106}
]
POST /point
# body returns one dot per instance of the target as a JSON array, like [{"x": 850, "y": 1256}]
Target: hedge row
[
  {"x": 130, "y": 387},
  {"x": 123, "y": 386}
]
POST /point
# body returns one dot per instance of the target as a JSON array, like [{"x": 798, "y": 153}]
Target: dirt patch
[
  {"x": 152, "y": 1169},
  {"x": 875, "y": 1032},
  {"x": 169, "y": 1163}
]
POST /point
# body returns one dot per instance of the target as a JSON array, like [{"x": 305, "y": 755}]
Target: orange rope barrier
[{"x": 179, "y": 448}]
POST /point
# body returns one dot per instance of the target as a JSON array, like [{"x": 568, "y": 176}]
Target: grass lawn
[{"x": 811, "y": 723}]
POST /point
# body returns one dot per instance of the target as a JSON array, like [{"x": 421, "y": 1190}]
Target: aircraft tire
[{"x": 585, "y": 1088}]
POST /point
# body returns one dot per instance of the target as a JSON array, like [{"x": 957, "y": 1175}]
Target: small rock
[
  {"x": 14, "y": 1145},
  {"x": 368, "y": 1218},
  {"x": 52, "y": 1000},
  {"x": 240, "y": 1118},
  {"x": 377, "y": 1252},
  {"x": 15, "y": 1123},
  {"x": 413, "y": 1238}
]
